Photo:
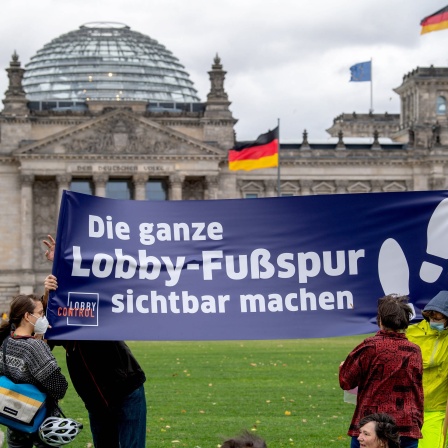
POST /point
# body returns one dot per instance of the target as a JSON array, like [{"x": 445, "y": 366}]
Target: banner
[{"x": 273, "y": 268}]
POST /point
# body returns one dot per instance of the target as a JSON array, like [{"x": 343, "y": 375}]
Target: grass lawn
[{"x": 198, "y": 393}]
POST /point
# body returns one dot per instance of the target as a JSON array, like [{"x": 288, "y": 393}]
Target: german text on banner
[
  {"x": 435, "y": 22},
  {"x": 273, "y": 268}
]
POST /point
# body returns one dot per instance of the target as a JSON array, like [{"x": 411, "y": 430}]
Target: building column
[
  {"x": 27, "y": 223},
  {"x": 402, "y": 112},
  {"x": 437, "y": 183},
  {"x": 420, "y": 179},
  {"x": 100, "y": 181},
  {"x": 175, "y": 187},
  {"x": 270, "y": 188},
  {"x": 410, "y": 185},
  {"x": 140, "y": 181},
  {"x": 377, "y": 186},
  {"x": 63, "y": 181},
  {"x": 211, "y": 187},
  {"x": 341, "y": 186},
  {"x": 305, "y": 187},
  {"x": 408, "y": 110}
]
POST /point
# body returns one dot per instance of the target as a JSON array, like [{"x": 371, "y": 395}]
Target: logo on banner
[
  {"x": 81, "y": 309},
  {"x": 393, "y": 267}
]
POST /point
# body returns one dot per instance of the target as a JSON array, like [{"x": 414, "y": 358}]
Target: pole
[
  {"x": 278, "y": 159},
  {"x": 371, "y": 85}
]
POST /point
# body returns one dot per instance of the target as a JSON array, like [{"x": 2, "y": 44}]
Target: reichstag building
[{"x": 109, "y": 111}]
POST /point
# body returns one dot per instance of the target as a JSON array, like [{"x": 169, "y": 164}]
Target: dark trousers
[{"x": 122, "y": 426}]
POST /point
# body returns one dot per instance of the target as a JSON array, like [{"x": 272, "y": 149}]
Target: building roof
[{"x": 107, "y": 61}]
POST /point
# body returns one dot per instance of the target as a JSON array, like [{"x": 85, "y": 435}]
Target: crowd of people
[
  {"x": 401, "y": 372},
  {"x": 400, "y": 375}
]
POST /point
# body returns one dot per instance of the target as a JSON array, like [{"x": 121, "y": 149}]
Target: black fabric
[{"x": 103, "y": 373}]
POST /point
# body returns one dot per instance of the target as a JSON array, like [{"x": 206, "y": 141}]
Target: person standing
[
  {"x": 387, "y": 369},
  {"x": 431, "y": 335},
  {"x": 109, "y": 380},
  {"x": 29, "y": 360}
]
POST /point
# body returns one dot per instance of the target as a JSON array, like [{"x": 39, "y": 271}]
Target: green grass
[{"x": 201, "y": 392}]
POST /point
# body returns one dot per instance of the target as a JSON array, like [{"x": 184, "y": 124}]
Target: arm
[
  {"x": 43, "y": 366},
  {"x": 417, "y": 367},
  {"x": 445, "y": 425},
  {"x": 55, "y": 384},
  {"x": 50, "y": 282},
  {"x": 352, "y": 370}
]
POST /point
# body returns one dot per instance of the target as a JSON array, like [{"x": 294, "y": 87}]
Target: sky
[{"x": 287, "y": 61}]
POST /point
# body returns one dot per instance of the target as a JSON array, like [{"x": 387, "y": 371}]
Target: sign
[{"x": 273, "y": 268}]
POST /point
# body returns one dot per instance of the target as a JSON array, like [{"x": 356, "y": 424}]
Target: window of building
[
  {"x": 290, "y": 188},
  {"x": 441, "y": 105},
  {"x": 118, "y": 189},
  {"x": 156, "y": 190},
  {"x": 251, "y": 189},
  {"x": 81, "y": 186}
]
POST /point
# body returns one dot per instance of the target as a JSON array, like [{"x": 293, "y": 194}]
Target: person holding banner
[
  {"x": 431, "y": 335},
  {"x": 387, "y": 369},
  {"x": 29, "y": 360},
  {"x": 109, "y": 380}
]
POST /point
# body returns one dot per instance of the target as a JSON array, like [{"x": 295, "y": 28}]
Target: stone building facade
[{"x": 110, "y": 147}]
